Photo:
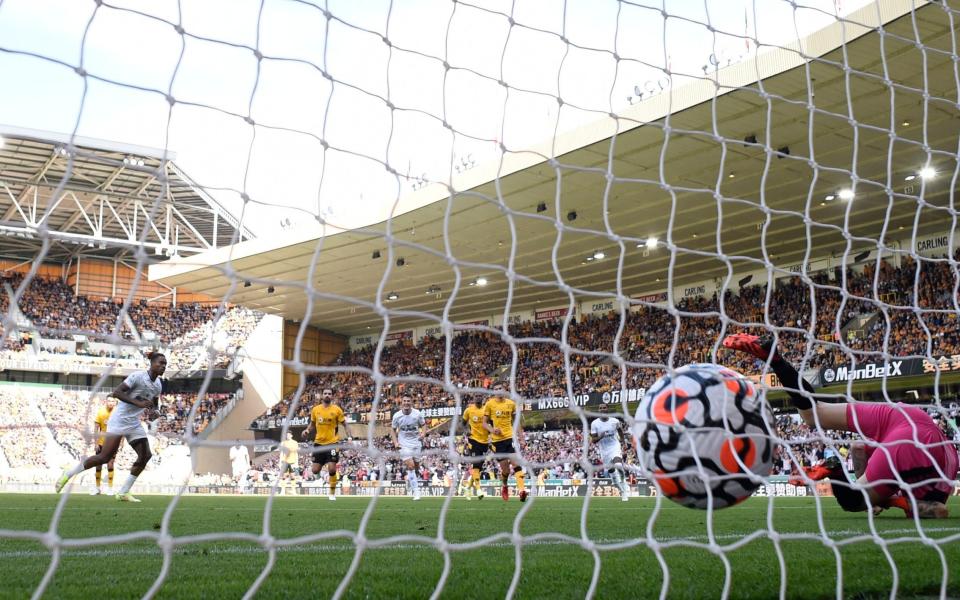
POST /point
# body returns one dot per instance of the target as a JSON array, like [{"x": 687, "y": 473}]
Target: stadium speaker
[
  {"x": 745, "y": 280},
  {"x": 270, "y": 290},
  {"x": 572, "y": 215},
  {"x": 542, "y": 207},
  {"x": 862, "y": 256},
  {"x": 750, "y": 139},
  {"x": 376, "y": 254},
  {"x": 401, "y": 261},
  {"x": 783, "y": 151}
]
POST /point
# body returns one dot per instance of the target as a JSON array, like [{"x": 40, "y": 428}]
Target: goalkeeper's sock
[
  {"x": 791, "y": 381},
  {"x": 333, "y": 483},
  {"x": 902, "y": 503},
  {"x": 414, "y": 485},
  {"x": 98, "y": 476},
  {"x": 109, "y": 478},
  {"x": 789, "y": 377},
  {"x": 520, "y": 484},
  {"x": 849, "y": 499}
]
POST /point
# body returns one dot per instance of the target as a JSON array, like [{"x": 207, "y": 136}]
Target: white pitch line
[{"x": 347, "y": 546}]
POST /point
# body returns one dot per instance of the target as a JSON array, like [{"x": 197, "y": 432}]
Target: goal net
[{"x": 512, "y": 218}]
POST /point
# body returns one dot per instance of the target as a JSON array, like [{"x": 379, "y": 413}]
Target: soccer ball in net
[{"x": 704, "y": 436}]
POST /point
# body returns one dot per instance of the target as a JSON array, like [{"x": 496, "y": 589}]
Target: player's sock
[
  {"x": 110, "y": 478},
  {"x": 849, "y": 499},
  {"x": 789, "y": 377},
  {"x": 131, "y": 479},
  {"x": 98, "y": 476},
  {"x": 902, "y": 503},
  {"x": 618, "y": 479},
  {"x": 520, "y": 483},
  {"x": 76, "y": 470},
  {"x": 791, "y": 381},
  {"x": 333, "y": 484},
  {"x": 414, "y": 485}
]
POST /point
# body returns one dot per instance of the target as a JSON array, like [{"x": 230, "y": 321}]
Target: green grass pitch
[{"x": 408, "y": 567}]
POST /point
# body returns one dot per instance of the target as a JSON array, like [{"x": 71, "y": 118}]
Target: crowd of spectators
[
  {"x": 175, "y": 410},
  {"x": 191, "y": 331},
  {"x": 811, "y": 320},
  {"x": 56, "y": 311},
  {"x": 44, "y": 429},
  {"x": 222, "y": 335}
]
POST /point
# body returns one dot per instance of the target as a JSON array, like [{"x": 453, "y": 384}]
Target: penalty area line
[{"x": 249, "y": 548}]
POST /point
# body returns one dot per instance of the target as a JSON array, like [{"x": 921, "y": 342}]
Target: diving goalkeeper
[{"x": 893, "y": 466}]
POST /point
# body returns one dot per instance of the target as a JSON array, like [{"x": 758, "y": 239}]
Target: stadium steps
[
  {"x": 262, "y": 370},
  {"x": 859, "y": 324},
  {"x": 219, "y": 417}
]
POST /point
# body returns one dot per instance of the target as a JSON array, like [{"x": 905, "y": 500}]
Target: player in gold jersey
[
  {"x": 100, "y": 427},
  {"x": 325, "y": 421},
  {"x": 498, "y": 416},
  {"x": 477, "y": 442}
]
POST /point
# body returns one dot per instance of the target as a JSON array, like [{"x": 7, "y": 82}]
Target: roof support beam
[
  {"x": 186, "y": 222},
  {"x": 16, "y": 204}
]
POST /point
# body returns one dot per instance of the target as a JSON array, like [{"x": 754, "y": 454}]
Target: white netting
[{"x": 568, "y": 200}]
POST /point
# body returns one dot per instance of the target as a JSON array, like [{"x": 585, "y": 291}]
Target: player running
[
  {"x": 605, "y": 432},
  {"x": 139, "y": 391},
  {"x": 477, "y": 443},
  {"x": 895, "y": 469},
  {"x": 289, "y": 461},
  {"x": 325, "y": 421},
  {"x": 100, "y": 426},
  {"x": 407, "y": 431},
  {"x": 498, "y": 414}
]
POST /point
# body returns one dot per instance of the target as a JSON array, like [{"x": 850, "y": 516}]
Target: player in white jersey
[
  {"x": 240, "y": 464},
  {"x": 139, "y": 391},
  {"x": 605, "y": 433},
  {"x": 407, "y": 431}
]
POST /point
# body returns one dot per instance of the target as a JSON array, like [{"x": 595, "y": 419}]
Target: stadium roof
[
  {"x": 722, "y": 198},
  {"x": 97, "y": 198}
]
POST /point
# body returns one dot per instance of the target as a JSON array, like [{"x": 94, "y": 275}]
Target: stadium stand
[
  {"x": 53, "y": 427},
  {"x": 648, "y": 336},
  {"x": 48, "y": 428},
  {"x": 187, "y": 329}
]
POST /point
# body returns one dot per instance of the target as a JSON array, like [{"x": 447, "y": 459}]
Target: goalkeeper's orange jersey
[
  {"x": 103, "y": 415},
  {"x": 500, "y": 411},
  {"x": 474, "y": 417},
  {"x": 326, "y": 419}
]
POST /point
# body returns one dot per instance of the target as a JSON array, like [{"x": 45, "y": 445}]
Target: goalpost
[{"x": 597, "y": 193}]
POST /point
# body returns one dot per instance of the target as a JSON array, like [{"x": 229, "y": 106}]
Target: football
[{"x": 703, "y": 436}]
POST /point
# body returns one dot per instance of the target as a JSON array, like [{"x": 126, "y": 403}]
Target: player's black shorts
[
  {"x": 325, "y": 454},
  {"x": 477, "y": 448},
  {"x": 503, "y": 447},
  {"x": 936, "y": 496}
]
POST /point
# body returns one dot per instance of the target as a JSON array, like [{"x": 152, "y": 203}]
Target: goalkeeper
[{"x": 895, "y": 467}]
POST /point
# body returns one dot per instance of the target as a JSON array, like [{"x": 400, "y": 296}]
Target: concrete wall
[{"x": 262, "y": 382}]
